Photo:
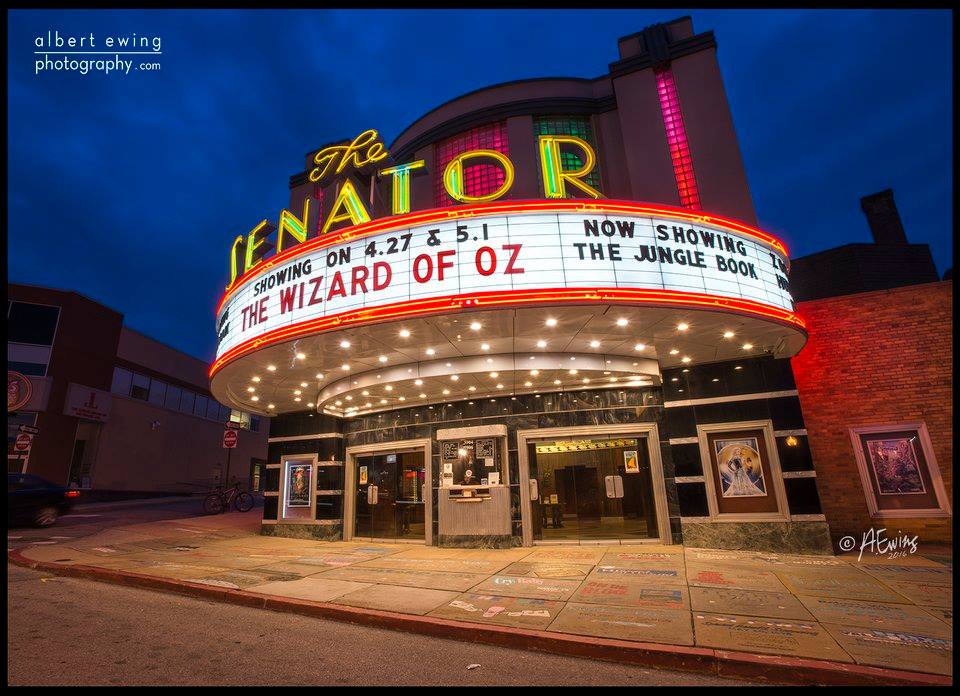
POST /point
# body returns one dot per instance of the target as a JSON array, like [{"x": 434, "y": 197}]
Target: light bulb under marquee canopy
[
  {"x": 728, "y": 334},
  {"x": 345, "y": 367},
  {"x": 476, "y": 326},
  {"x": 639, "y": 346},
  {"x": 682, "y": 326},
  {"x": 304, "y": 384},
  {"x": 404, "y": 333},
  {"x": 430, "y": 351},
  {"x": 382, "y": 358},
  {"x": 594, "y": 344},
  {"x": 272, "y": 368},
  {"x": 747, "y": 346},
  {"x": 622, "y": 322},
  {"x": 484, "y": 346},
  {"x": 541, "y": 344},
  {"x": 551, "y": 322},
  {"x": 674, "y": 351},
  {"x": 254, "y": 379},
  {"x": 301, "y": 356},
  {"x": 344, "y": 344},
  {"x": 251, "y": 389},
  {"x": 418, "y": 382},
  {"x": 389, "y": 387},
  {"x": 256, "y": 398}
]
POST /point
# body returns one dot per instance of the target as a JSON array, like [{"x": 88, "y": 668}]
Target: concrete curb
[{"x": 722, "y": 663}]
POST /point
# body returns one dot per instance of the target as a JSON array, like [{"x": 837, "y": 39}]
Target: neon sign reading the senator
[{"x": 367, "y": 149}]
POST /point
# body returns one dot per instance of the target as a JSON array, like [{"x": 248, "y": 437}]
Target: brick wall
[{"x": 876, "y": 358}]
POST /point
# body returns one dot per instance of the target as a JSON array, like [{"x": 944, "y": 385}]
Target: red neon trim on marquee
[
  {"x": 505, "y": 208},
  {"x": 451, "y": 303}
]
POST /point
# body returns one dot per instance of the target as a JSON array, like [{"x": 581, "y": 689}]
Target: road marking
[
  {"x": 60, "y": 537},
  {"x": 13, "y": 537},
  {"x": 76, "y": 515},
  {"x": 104, "y": 549},
  {"x": 43, "y": 542}
]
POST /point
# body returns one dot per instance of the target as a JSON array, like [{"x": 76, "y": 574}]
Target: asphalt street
[{"x": 67, "y": 631}]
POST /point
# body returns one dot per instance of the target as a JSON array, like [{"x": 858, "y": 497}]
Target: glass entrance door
[
  {"x": 593, "y": 489},
  {"x": 389, "y": 501}
]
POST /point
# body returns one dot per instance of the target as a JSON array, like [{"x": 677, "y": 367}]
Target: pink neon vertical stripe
[{"x": 677, "y": 139}]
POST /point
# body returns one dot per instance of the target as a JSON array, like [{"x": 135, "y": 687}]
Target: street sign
[
  {"x": 229, "y": 439},
  {"x": 23, "y": 442},
  {"x": 31, "y": 429}
]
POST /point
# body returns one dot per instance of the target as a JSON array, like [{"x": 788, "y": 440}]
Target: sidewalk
[
  {"x": 132, "y": 502},
  {"x": 780, "y": 618}
]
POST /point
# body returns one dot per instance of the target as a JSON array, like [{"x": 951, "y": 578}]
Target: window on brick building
[
  {"x": 479, "y": 178},
  {"x": 570, "y": 158}
]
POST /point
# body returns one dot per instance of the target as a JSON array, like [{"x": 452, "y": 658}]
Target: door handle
[
  {"x": 613, "y": 486},
  {"x": 372, "y": 494},
  {"x": 534, "y": 491}
]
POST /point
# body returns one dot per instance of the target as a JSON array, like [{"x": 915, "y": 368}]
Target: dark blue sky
[{"x": 129, "y": 189}]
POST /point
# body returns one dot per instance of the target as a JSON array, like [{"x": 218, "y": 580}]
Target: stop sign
[
  {"x": 229, "y": 439},
  {"x": 23, "y": 442}
]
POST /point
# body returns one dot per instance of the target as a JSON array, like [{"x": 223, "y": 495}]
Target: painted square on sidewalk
[
  {"x": 513, "y": 586},
  {"x": 774, "y": 605},
  {"x": 625, "y": 623},
  {"x": 755, "y": 634},
  {"x": 311, "y": 588},
  {"x": 450, "y": 565},
  {"x": 655, "y": 576},
  {"x": 749, "y": 578},
  {"x": 242, "y": 579},
  {"x": 625, "y": 593},
  {"x": 890, "y": 617},
  {"x": 548, "y": 569},
  {"x": 404, "y": 600},
  {"x": 933, "y": 575},
  {"x": 944, "y": 614},
  {"x": 428, "y": 579},
  {"x": 896, "y": 649},
  {"x": 923, "y": 594},
  {"x": 518, "y": 612},
  {"x": 847, "y": 584}
]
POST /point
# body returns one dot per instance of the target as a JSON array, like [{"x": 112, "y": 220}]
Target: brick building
[{"x": 878, "y": 364}]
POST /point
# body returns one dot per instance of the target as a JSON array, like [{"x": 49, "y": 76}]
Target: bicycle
[{"x": 220, "y": 501}]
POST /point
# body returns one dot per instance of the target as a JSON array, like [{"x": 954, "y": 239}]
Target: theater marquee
[{"x": 506, "y": 249}]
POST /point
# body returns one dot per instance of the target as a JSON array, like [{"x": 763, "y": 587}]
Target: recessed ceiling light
[
  {"x": 573, "y": 372},
  {"x": 404, "y": 333},
  {"x": 551, "y": 322},
  {"x": 389, "y": 387},
  {"x": 613, "y": 379},
  {"x": 484, "y": 346},
  {"x": 682, "y": 326},
  {"x": 494, "y": 374},
  {"x": 382, "y": 358},
  {"x": 528, "y": 384},
  {"x": 304, "y": 384},
  {"x": 715, "y": 379},
  {"x": 383, "y": 401},
  {"x": 251, "y": 389},
  {"x": 430, "y": 351},
  {"x": 499, "y": 386},
  {"x": 367, "y": 405},
  {"x": 541, "y": 344},
  {"x": 594, "y": 344},
  {"x": 272, "y": 368},
  {"x": 674, "y": 351},
  {"x": 344, "y": 343},
  {"x": 297, "y": 399},
  {"x": 423, "y": 396},
  {"x": 310, "y": 404},
  {"x": 489, "y": 360},
  {"x": 349, "y": 398},
  {"x": 301, "y": 356},
  {"x": 297, "y": 392},
  {"x": 446, "y": 391},
  {"x": 675, "y": 379},
  {"x": 365, "y": 393},
  {"x": 747, "y": 346},
  {"x": 257, "y": 398},
  {"x": 337, "y": 403},
  {"x": 270, "y": 406},
  {"x": 556, "y": 381},
  {"x": 586, "y": 380},
  {"x": 255, "y": 379},
  {"x": 639, "y": 346},
  {"x": 534, "y": 372},
  {"x": 685, "y": 358},
  {"x": 320, "y": 376},
  {"x": 728, "y": 334},
  {"x": 476, "y": 326},
  {"x": 472, "y": 388},
  {"x": 622, "y": 322},
  {"x": 738, "y": 367},
  {"x": 345, "y": 367},
  {"x": 403, "y": 398},
  {"x": 418, "y": 382},
  {"x": 455, "y": 377}
]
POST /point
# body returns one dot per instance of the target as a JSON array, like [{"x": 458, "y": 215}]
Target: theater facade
[{"x": 543, "y": 314}]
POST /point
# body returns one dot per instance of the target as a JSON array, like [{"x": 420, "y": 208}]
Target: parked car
[{"x": 33, "y": 500}]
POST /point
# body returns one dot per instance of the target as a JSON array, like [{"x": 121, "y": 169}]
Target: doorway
[
  {"x": 389, "y": 496},
  {"x": 589, "y": 485},
  {"x": 387, "y": 493}
]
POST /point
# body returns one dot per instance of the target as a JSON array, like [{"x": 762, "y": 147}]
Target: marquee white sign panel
[{"x": 503, "y": 253}]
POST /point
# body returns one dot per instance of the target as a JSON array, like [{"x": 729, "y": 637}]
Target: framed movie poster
[
  {"x": 741, "y": 471},
  {"x": 299, "y": 484},
  {"x": 898, "y": 471},
  {"x": 631, "y": 463},
  {"x": 740, "y": 468}
]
